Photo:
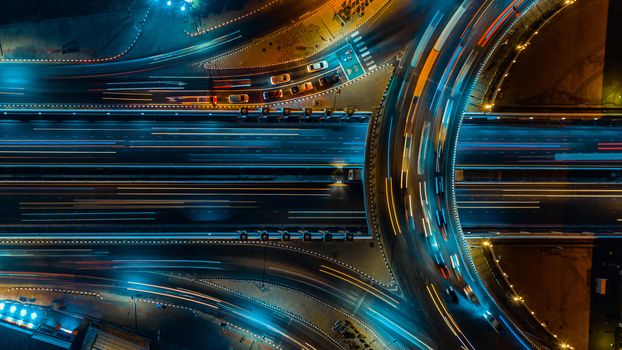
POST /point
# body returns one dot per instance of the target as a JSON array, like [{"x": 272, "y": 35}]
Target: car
[
  {"x": 329, "y": 79},
  {"x": 455, "y": 264},
  {"x": 438, "y": 181},
  {"x": 468, "y": 291},
  {"x": 440, "y": 217},
  {"x": 317, "y": 66},
  {"x": 280, "y": 79},
  {"x": 272, "y": 94},
  {"x": 451, "y": 295},
  {"x": 240, "y": 98},
  {"x": 305, "y": 87},
  {"x": 493, "y": 321},
  {"x": 440, "y": 263}
]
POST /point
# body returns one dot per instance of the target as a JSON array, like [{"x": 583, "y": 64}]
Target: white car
[
  {"x": 317, "y": 66},
  {"x": 280, "y": 79}
]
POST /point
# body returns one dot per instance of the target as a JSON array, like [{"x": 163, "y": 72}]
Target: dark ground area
[
  {"x": 563, "y": 65},
  {"x": 605, "y": 308},
  {"x": 206, "y": 7},
  {"x": 17, "y": 11},
  {"x": 10, "y": 339},
  {"x": 554, "y": 281}
]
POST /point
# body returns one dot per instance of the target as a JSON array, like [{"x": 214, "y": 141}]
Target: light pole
[{"x": 335, "y": 100}]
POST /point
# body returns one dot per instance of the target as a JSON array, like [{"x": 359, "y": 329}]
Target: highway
[
  {"x": 172, "y": 177},
  {"x": 412, "y": 204},
  {"x": 562, "y": 176},
  {"x": 151, "y": 177}
]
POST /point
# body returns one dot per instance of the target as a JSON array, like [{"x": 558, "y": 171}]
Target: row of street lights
[{"x": 182, "y": 7}]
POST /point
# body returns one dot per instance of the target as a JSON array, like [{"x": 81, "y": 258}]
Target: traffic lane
[
  {"x": 308, "y": 86},
  {"x": 260, "y": 76},
  {"x": 293, "y": 332},
  {"x": 530, "y": 205},
  {"x": 173, "y": 144},
  {"x": 404, "y": 245},
  {"x": 285, "y": 265},
  {"x": 463, "y": 317},
  {"x": 183, "y": 92},
  {"x": 513, "y": 335},
  {"x": 275, "y": 324},
  {"x": 538, "y": 147},
  {"x": 538, "y": 197},
  {"x": 141, "y": 208},
  {"x": 266, "y": 263}
]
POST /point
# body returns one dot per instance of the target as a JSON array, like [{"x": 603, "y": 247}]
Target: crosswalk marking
[{"x": 363, "y": 51}]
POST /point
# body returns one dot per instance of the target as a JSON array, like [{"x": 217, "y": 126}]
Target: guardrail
[
  {"x": 255, "y": 114},
  {"x": 347, "y": 234}
]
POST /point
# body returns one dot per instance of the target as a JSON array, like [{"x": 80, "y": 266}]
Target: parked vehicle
[
  {"x": 272, "y": 95},
  {"x": 329, "y": 80},
  {"x": 305, "y": 87}
]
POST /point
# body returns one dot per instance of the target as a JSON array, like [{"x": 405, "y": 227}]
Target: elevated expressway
[
  {"x": 158, "y": 177},
  {"x": 410, "y": 170},
  {"x": 548, "y": 175},
  {"x": 426, "y": 94}
]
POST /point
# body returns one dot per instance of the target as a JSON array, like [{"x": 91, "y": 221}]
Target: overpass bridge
[
  {"x": 515, "y": 176},
  {"x": 133, "y": 176}
]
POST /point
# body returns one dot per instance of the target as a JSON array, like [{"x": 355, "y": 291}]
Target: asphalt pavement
[
  {"x": 170, "y": 178},
  {"x": 557, "y": 177}
]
